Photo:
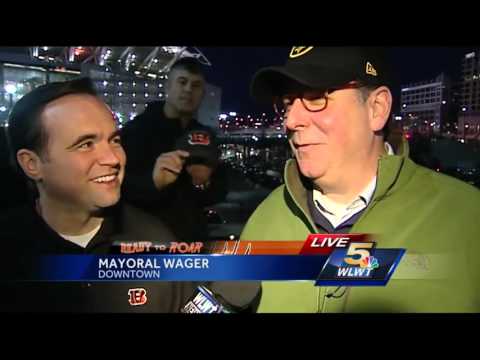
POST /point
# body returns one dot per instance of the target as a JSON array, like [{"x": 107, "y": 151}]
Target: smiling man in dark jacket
[{"x": 64, "y": 140}]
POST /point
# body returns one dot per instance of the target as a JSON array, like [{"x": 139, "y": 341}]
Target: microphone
[{"x": 224, "y": 298}]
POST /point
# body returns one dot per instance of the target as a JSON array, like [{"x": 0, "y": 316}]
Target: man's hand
[
  {"x": 200, "y": 174},
  {"x": 168, "y": 167}
]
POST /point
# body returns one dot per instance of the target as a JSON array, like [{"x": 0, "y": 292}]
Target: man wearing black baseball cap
[{"x": 345, "y": 178}]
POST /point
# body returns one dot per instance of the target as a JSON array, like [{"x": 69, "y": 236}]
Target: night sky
[{"x": 234, "y": 67}]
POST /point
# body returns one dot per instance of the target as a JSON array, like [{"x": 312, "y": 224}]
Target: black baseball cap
[
  {"x": 202, "y": 146},
  {"x": 312, "y": 67}
]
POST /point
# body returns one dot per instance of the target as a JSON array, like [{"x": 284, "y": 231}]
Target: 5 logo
[{"x": 358, "y": 254}]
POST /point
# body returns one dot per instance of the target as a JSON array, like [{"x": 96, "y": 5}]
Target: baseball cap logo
[
  {"x": 371, "y": 70},
  {"x": 199, "y": 138},
  {"x": 298, "y": 51}
]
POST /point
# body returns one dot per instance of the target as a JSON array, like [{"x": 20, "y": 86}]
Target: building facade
[
  {"x": 127, "y": 78},
  {"x": 469, "y": 111},
  {"x": 425, "y": 105}
]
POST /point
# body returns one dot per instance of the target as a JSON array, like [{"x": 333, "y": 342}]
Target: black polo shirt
[{"x": 24, "y": 233}]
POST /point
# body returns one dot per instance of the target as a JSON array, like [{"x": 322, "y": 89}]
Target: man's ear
[
  {"x": 30, "y": 163},
  {"x": 380, "y": 103}
]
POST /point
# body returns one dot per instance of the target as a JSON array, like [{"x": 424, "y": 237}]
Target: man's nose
[
  {"x": 296, "y": 116},
  {"x": 108, "y": 155}
]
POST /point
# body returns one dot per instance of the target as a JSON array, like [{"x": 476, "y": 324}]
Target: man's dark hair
[
  {"x": 25, "y": 129},
  {"x": 189, "y": 64}
]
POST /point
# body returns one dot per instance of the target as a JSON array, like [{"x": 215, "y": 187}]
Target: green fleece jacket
[{"x": 434, "y": 217}]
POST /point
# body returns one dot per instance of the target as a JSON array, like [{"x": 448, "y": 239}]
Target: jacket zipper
[{"x": 321, "y": 291}]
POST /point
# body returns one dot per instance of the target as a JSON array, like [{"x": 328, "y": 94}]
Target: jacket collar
[{"x": 393, "y": 172}]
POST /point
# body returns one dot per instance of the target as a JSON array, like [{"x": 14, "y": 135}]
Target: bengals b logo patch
[
  {"x": 137, "y": 296},
  {"x": 199, "y": 138}
]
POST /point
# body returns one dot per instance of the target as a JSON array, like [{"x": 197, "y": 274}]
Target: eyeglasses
[{"x": 312, "y": 100}]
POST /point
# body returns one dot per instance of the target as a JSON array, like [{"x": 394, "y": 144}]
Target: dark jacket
[
  {"x": 24, "y": 233},
  {"x": 180, "y": 205}
]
